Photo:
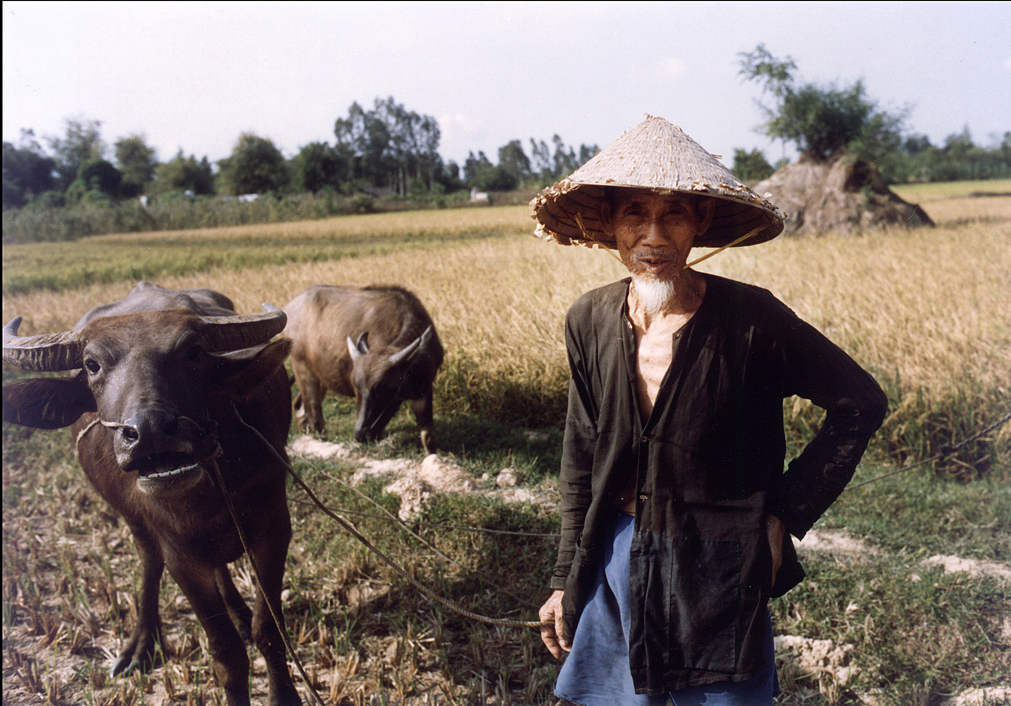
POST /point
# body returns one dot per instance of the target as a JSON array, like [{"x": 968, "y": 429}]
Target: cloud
[
  {"x": 1007, "y": 64},
  {"x": 671, "y": 67}
]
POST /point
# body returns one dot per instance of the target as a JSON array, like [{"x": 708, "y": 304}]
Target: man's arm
[{"x": 855, "y": 406}]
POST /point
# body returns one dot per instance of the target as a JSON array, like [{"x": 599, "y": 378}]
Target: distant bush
[{"x": 47, "y": 219}]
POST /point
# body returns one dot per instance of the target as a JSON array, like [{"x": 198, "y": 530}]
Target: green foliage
[
  {"x": 26, "y": 174},
  {"x": 514, "y": 161},
  {"x": 318, "y": 166},
  {"x": 821, "y": 121},
  {"x": 959, "y": 159},
  {"x": 183, "y": 174},
  {"x": 138, "y": 164},
  {"x": 82, "y": 141},
  {"x": 551, "y": 167},
  {"x": 255, "y": 166},
  {"x": 751, "y": 166},
  {"x": 96, "y": 179},
  {"x": 389, "y": 145}
]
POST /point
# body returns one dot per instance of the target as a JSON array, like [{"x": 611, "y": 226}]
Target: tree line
[
  {"x": 389, "y": 150},
  {"x": 385, "y": 150},
  {"x": 826, "y": 122}
]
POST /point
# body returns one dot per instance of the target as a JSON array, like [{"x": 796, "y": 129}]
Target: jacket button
[
  {"x": 643, "y": 498},
  {"x": 644, "y": 439}
]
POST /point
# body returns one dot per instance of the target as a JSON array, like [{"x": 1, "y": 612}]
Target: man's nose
[{"x": 654, "y": 232}]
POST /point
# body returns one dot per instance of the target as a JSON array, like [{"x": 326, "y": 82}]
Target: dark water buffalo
[
  {"x": 376, "y": 344},
  {"x": 151, "y": 406}
]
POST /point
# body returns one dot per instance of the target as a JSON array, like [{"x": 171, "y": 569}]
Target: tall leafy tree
[
  {"x": 255, "y": 166},
  {"x": 96, "y": 178},
  {"x": 82, "y": 141},
  {"x": 181, "y": 174},
  {"x": 137, "y": 163},
  {"x": 514, "y": 160},
  {"x": 822, "y": 121},
  {"x": 751, "y": 166},
  {"x": 27, "y": 171},
  {"x": 317, "y": 166},
  {"x": 390, "y": 146}
]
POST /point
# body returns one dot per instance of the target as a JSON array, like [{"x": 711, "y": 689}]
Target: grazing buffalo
[
  {"x": 168, "y": 384},
  {"x": 376, "y": 344}
]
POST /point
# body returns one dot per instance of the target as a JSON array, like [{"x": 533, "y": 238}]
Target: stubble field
[{"x": 928, "y": 312}]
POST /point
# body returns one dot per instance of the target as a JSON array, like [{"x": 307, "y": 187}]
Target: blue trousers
[{"x": 596, "y": 671}]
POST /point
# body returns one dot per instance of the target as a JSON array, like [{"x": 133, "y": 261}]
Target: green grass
[{"x": 61, "y": 266}]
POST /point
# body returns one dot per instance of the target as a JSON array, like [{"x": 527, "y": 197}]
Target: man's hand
[
  {"x": 775, "y": 530},
  {"x": 553, "y": 635}
]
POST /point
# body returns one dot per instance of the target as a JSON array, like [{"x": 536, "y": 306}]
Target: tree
[
  {"x": 137, "y": 162},
  {"x": 751, "y": 166},
  {"x": 27, "y": 172},
  {"x": 82, "y": 141},
  {"x": 182, "y": 174},
  {"x": 317, "y": 166},
  {"x": 821, "y": 121},
  {"x": 514, "y": 161},
  {"x": 390, "y": 146},
  {"x": 255, "y": 166},
  {"x": 96, "y": 178}
]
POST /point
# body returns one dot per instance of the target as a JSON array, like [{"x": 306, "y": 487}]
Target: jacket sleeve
[
  {"x": 818, "y": 370},
  {"x": 574, "y": 480}
]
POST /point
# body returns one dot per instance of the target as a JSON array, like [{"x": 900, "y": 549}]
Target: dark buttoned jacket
[{"x": 708, "y": 466}]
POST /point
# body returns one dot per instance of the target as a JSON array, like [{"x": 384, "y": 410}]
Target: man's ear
[{"x": 706, "y": 207}]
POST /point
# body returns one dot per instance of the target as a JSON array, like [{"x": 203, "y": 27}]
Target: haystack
[{"x": 844, "y": 196}]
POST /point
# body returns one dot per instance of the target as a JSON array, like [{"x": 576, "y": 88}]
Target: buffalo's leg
[
  {"x": 425, "y": 419},
  {"x": 138, "y": 653},
  {"x": 228, "y": 652},
  {"x": 269, "y": 553},
  {"x": 310, "y": 395},
  {"x": 238, "y": 611}
]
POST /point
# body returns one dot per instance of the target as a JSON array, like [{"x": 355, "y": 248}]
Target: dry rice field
[{"x": 928, "y": 311}]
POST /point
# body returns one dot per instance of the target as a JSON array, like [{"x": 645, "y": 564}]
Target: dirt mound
[
  {"x": 417, "y": 482},
  {"x": 845, "y": 196}
]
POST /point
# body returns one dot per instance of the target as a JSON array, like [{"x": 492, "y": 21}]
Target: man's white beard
[{"x": 653, "y": 294}]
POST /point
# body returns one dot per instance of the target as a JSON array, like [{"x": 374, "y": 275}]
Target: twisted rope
[
  {"x": 943, "y": 451},
  {"x": 400, "y": 571}
]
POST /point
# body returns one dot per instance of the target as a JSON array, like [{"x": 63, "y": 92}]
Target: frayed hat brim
[{"x": 659, "y": 156}]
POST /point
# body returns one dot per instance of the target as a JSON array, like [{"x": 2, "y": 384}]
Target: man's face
[{"x": 655, "y": 232}]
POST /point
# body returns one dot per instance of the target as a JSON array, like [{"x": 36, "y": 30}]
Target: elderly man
[{"x": 676, "y": 510}]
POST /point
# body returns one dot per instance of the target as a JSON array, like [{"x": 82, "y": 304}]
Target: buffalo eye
[
  {"x": 92, "y": 366},
  {"x": 195, "y": 354}
]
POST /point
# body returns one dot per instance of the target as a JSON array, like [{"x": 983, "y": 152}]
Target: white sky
[{"x": 196, "y": 75}]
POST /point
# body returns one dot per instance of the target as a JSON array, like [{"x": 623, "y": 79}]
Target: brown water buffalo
[
  {"x": 376, "y": 344},
  {"x": 162, "y": 379}
]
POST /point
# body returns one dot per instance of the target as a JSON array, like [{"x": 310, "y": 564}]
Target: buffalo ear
[
  {"x": 47, "y": 403},
  {"x": 242, "y": 372}
]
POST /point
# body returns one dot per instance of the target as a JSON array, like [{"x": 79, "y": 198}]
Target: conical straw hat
[{"x": 653, "y": 155}]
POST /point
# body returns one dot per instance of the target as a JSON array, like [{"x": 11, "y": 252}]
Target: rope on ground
[
  {"x": 350, "y": 529},
  {"x": 943, "y": 451}
]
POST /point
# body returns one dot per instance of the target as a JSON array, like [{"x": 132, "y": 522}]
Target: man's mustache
[{"x": 649, "y": 253}]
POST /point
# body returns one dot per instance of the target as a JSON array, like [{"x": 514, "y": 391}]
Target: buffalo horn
[
  {"x": 410, "y": 349},
  {"x": 232, "y": 333},
  {"x": 47, "y": 352}
]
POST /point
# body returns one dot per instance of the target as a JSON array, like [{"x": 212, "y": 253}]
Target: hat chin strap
[{"x": 728, "y": 245}]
